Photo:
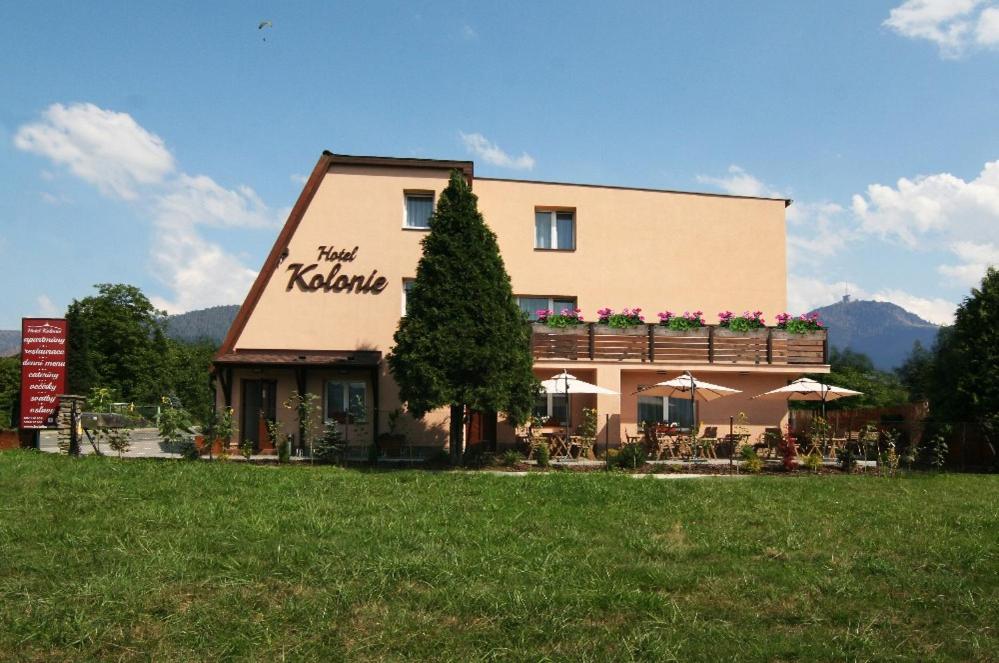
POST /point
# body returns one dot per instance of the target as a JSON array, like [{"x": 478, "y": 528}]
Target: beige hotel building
[{"x": 322, "y": 311}]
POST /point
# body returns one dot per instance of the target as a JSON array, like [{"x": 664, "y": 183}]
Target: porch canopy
[
  {"x": 807, "y": 389},
  {"x": 567, "y": 384},
  {"x": 687, "y": 386}
]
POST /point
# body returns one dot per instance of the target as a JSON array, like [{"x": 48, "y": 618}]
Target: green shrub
[
  {"x": 511, "y": 457},
  {"x": 631, "y": 456},
  {"x": 478, "y": 456},
  {"x": 753, "y": 464},
  {"x": 542, "y": 455},
  {"x": 329, "y": 447},
  {"x": 847, "y": 459},
  {"x": 813, "y": 462},
  {"x": 748, "y": 453}
]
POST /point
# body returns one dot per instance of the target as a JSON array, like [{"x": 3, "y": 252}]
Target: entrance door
[
  {"x": 481, "y": 429},
  {"x": 259, "y": 405}
]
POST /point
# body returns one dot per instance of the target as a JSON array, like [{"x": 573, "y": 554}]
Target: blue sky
[{"x": 162, "y": 144}]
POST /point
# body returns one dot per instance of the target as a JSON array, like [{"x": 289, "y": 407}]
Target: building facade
[{"x": 321, "y": 314}]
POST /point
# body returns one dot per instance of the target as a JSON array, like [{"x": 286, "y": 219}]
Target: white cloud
[
  {"x": 805, "y": 294},
  {"x": 201, "y": 200},
  {"x": 935, "y": 206},
  {"x": 297, "y": 178},
  {"x": 491, "y": 153},
  {"x": 468, "y": 33},
  {"x": 935, "y": 310},
  {"x": 198, "y": 272},
  {"x": 46, "y": 308},
  {"x": 953, "y": 25},
  {"x": 740, "y": 183},
  {"x": 124, "y": 160},
  {"x": 105, "y": 148},
  {"x": 987, "y": 31},
  {"x": 974, "y": 260}
]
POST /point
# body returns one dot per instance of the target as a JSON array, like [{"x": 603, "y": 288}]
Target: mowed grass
[{"x": 141, "y": 560}]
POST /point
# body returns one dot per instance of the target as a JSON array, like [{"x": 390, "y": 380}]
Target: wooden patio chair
[
  {"x": 583, "y": 446},
  {"x": 709, "y": 441}
]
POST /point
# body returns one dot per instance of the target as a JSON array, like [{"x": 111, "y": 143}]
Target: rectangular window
[
  {"x": 660, "y": 409},
  {"x": 407, "y": 285},
  {"x": 552, "y": 408},
  {"x": 555, "y": 230},
  {"x": 343, "y": 398},
  {"x": 531, "y": 305},
  {"x": 419, "y": 207}
]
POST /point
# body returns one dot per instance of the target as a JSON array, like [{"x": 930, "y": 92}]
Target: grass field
[{"x": 103, "y": 559}]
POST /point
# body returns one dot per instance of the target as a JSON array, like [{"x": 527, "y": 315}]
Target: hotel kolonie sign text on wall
[{"x": 310, "y": 278}]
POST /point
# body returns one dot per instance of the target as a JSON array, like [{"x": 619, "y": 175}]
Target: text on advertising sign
[{"x": 43, "y": 370}]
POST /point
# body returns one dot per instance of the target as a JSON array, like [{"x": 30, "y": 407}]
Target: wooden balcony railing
[{"x": 654, "y": 344}]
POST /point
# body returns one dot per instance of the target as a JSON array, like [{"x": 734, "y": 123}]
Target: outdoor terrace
[{"x": 655, "y": 344}]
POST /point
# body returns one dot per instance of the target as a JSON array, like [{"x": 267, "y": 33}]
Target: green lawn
[{"x": 103, "y": 559}]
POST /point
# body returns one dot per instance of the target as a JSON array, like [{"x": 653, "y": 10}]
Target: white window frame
[
  {"x": 405, "y": 293},
  {"x": 553, "y": 218},
  {"x": 347, "y": 384},
  {"x": 663, "y": 399},
  {"x": 550, "y": 407},
  {"x": 405, "y": 208}
]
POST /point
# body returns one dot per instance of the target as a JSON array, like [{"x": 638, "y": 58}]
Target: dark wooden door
[
  {"x": 481, "y": 429},
  {"x": 259, "y": 405}
]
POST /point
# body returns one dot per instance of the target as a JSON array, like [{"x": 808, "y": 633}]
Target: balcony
[{"x": 654, "y": 344}]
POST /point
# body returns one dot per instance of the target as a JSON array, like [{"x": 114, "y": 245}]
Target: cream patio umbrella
[
  {"x": 687, "y": 384},
  {"x": 807, "y": 389},
  {"x": 567, "y": 384}
]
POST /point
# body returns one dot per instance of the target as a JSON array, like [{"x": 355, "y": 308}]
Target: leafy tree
[
  {"x": 966, "y": 363},
  {"x": 855, "y": 370},
  {"x": 189, "y": 376},
  {"x": 463, "y": 342},
  {"x": 10, "y": 388},
  {"x": 916, "y": 373},
  {"x": 116, "y": 340}
]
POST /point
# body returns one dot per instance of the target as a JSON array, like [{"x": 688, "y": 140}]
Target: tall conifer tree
[{"x": 464, "y": 341}]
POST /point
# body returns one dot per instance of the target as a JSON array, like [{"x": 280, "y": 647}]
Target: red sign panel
[{"x": 43, "y": 370}]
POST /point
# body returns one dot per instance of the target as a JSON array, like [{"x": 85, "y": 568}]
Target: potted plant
[
  {"x": 629, "y": 321},
  {"x": 806, "y": 325},
  {"x": 747, "y": 324},
  {"x": 566, "y": 321},
  {"x": 687, "y": 324}
]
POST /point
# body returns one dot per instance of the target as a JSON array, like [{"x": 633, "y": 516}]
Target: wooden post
[
  {"x": 652, "y": 343},
  {"x": 711, "y": 344},
  {"x": 592, "y": 341},
  {"x": 770, "y": 345},
  {"x": 825, "y": 348}
]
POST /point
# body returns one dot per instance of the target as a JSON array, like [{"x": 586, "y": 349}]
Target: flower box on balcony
[
  {"x": 815, "y": 335},
  {"x": 723, "y": 332},
  {"x": 640, "y": 330},
  {"x": 574, "y": 330},
  {"x": 699, "y": 332}
]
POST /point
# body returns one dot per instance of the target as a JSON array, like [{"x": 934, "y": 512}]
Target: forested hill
[
  {"x": 883, "y": 331},
  {"x": 207, "y": 323},
  {"x": 10, "y": 342}
]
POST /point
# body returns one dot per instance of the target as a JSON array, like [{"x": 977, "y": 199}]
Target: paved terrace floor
[{"x": 146, "y": 443}]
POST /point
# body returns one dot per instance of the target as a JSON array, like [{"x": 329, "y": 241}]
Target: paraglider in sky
[{"x": 265, "y": 24}]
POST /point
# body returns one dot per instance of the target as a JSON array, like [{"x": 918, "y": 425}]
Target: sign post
[{"x": 43, "y": 371}]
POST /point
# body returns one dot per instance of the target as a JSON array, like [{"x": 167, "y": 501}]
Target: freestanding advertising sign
[{"x": 43, "y": 370}]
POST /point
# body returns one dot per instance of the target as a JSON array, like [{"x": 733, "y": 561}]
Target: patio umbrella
[
  {"x": 567, "y": 384},
  {"x": 687, "y": 384},
  {"x": 807, "y": 389}
]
